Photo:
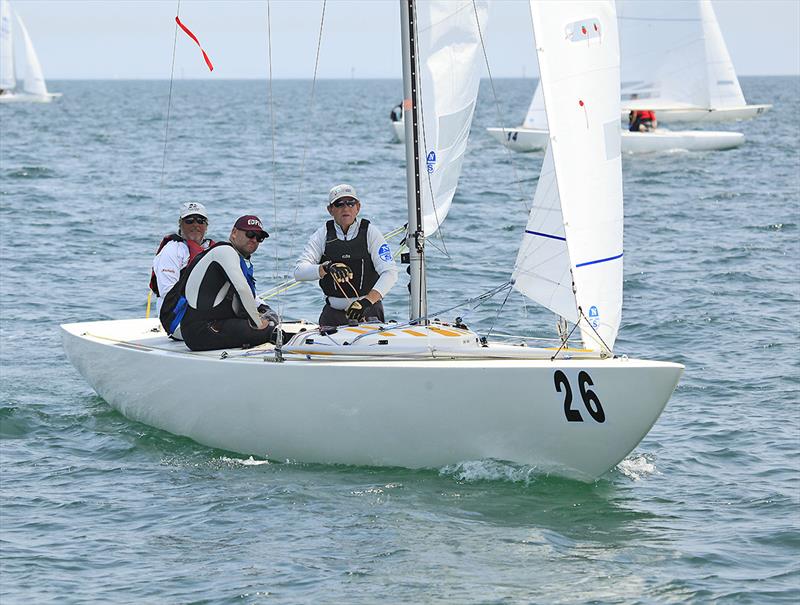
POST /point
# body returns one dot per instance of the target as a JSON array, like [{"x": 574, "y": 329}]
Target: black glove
[
  {"x": 268, "y": 314},
  {"x": 340, "y": 272},
  {"x": 358, "y": 309}
]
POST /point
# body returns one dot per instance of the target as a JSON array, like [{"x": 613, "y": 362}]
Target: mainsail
[
  {"x": 34, "y": 78},
  {"x": 7, "y": 78},
  {"x": 449, "y": 47},
  {"x": 570, "y": 259},
  {"x": 674, "y": 56}
]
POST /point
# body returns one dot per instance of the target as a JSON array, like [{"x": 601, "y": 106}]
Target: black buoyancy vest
[
  {"x": 355, "y": 254},
  {"x": 175, "y": 305}
]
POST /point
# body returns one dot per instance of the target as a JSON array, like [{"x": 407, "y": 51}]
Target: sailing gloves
[
  {"x": 358, "y": 309},
  {"x": 268, "y": 314},
  {"x": 340, "y": 272}
]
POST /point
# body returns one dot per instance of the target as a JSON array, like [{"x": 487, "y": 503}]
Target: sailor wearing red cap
[
  {"x": 214, "y": 304},
  {"x": 352, "y": 261}
]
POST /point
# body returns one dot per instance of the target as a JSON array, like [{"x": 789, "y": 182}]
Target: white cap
[
  {"x": 190, "y": 208},
  {"x": 340, "y": 191}
]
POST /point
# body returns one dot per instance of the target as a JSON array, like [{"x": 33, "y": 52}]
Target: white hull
[
  {"x": 521, "y": 139},
  {"x": 463, "y": 409},
  {"x": 399, "y": 131},
  {"x": 14, "y": 97},
  {"x": 689, "y": 140},
  {"x": 535, "y": 139},
  {"x": 726, "y": 114}
]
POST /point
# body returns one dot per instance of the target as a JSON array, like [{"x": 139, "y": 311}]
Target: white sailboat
[
  {"x": 675, "y": 62},
  {"x": 432, "y": 393},
  {"x": 33, "y": 89}
]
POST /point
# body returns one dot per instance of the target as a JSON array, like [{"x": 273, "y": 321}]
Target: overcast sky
[{"x": 79, "y": 39}]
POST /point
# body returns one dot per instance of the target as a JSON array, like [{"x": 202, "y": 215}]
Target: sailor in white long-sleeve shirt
[{"x": 352, "y": 261}]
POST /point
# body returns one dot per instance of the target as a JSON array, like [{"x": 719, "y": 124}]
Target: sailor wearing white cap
[
  {"x": 352, "y": 261},
  {"x": 176, "y": 250}
]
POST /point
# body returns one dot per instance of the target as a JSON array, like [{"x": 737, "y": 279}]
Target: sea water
[{"x": 96, "y": 508}]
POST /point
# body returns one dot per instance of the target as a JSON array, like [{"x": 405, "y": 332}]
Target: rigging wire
[
  {"x": 308, "y": 126},
  {"x": 169, "y": 107},
  {"x": 499, "y": 110}
]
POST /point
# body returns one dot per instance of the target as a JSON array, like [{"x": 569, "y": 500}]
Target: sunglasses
[
  {"x": 191, "y": 220},
  {"x": 259, "y": 235},
  {"x": 348, "y": 203}
]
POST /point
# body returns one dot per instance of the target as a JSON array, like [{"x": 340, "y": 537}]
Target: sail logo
[
  {"x": 594, "y": 316},
  {"x": 431, "y": 160},
  {"x": 583, "y": 30}
]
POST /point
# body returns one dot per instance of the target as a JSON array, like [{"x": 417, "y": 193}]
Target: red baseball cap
[{"x": 249, "y": 222}]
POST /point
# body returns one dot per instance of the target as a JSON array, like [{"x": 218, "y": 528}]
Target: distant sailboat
[
  {"x": 33, "y": 89},
  {"x": 675, "y": 62}
]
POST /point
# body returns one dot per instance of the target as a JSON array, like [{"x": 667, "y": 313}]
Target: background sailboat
[
  {"x": 675, "y": 62},
  {"x": 33, "y": 88}
]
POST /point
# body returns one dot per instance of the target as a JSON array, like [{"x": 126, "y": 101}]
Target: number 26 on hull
[{"x": 590, "y": 399}]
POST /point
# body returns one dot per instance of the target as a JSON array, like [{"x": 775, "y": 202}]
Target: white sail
[
  {"x": 34, "y": 78},
  {"x": 8, "y": 79},
  {"x": 664, "y": 54},
  {"x": 578, "y": 52},
  {"x": 450, "y": 58},
  {"x": 536, "y": 116},
  {"x": 724, "y": 89},
  {"x": 675, "y": 57}
]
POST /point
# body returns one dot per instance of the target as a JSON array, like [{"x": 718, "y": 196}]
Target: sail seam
[{"x": 599, "y": 260}]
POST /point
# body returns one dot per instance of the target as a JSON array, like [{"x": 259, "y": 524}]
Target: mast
[{"x": 415, "y": 238}]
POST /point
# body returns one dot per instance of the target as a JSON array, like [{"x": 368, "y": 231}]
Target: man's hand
[
  {"x": 340, "y": 272},
  {"x": 358, "y": 309},
  {"x": 268, "y": 315}
]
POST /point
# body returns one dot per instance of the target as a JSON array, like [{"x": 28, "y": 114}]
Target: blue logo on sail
[
  {"x": 594, "y": 316},
  {"x": 431, "y": 159}
]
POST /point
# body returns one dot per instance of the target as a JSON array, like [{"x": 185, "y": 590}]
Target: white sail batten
[
  {"x": 536, "y": 116},
  {"x": 8, "y": 79},
  {"x": 724, "y": 89},
  {"x": 449, "y": 73},
  {"x": 577, "y": 48},
  {"x": 34, "y": 78}
]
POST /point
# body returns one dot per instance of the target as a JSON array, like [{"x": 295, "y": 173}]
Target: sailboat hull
[
  {"x": 534, "y": 139},
  {"x": 14, "y": 97},
  {"x": 723, "y": 114},
  {"x": 365, "y": 412},
  {"x": 689, "y": 140},
  {"x": 521, "y": 139}
]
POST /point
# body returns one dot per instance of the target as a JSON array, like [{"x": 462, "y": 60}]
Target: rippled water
[{"x": 98, "y": 508}]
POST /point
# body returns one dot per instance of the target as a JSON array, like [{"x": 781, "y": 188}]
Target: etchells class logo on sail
[
  {"x": 431, "y": 161},
  {"x": 594, "y": 316}
]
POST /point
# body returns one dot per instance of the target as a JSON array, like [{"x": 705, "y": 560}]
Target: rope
[
  {"x": 489, "y": 333},
  {"x": 499, "y": 111},
  {"x": 169, "y": 107},
  {"x": 308, "y": 125},
  {"x": 166, "y": 137}
]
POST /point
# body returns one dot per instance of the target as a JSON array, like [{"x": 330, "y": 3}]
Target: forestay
[
  {"x": 7, "y": 78},
  {"x": 675, "y": 57},
  {"x": 570, "y": 259},
  {"x": 449, "y": 47}
]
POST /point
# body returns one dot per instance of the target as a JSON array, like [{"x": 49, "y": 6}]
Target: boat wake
[
  {"x": 472, "y": 471},
  {"x": 637, "y": 467}
]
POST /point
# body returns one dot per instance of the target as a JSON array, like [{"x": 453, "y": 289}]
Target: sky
[{"x": 133, "y": 39}]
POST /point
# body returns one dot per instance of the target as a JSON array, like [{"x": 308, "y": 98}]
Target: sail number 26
[{"x": 590, "y": 399}]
